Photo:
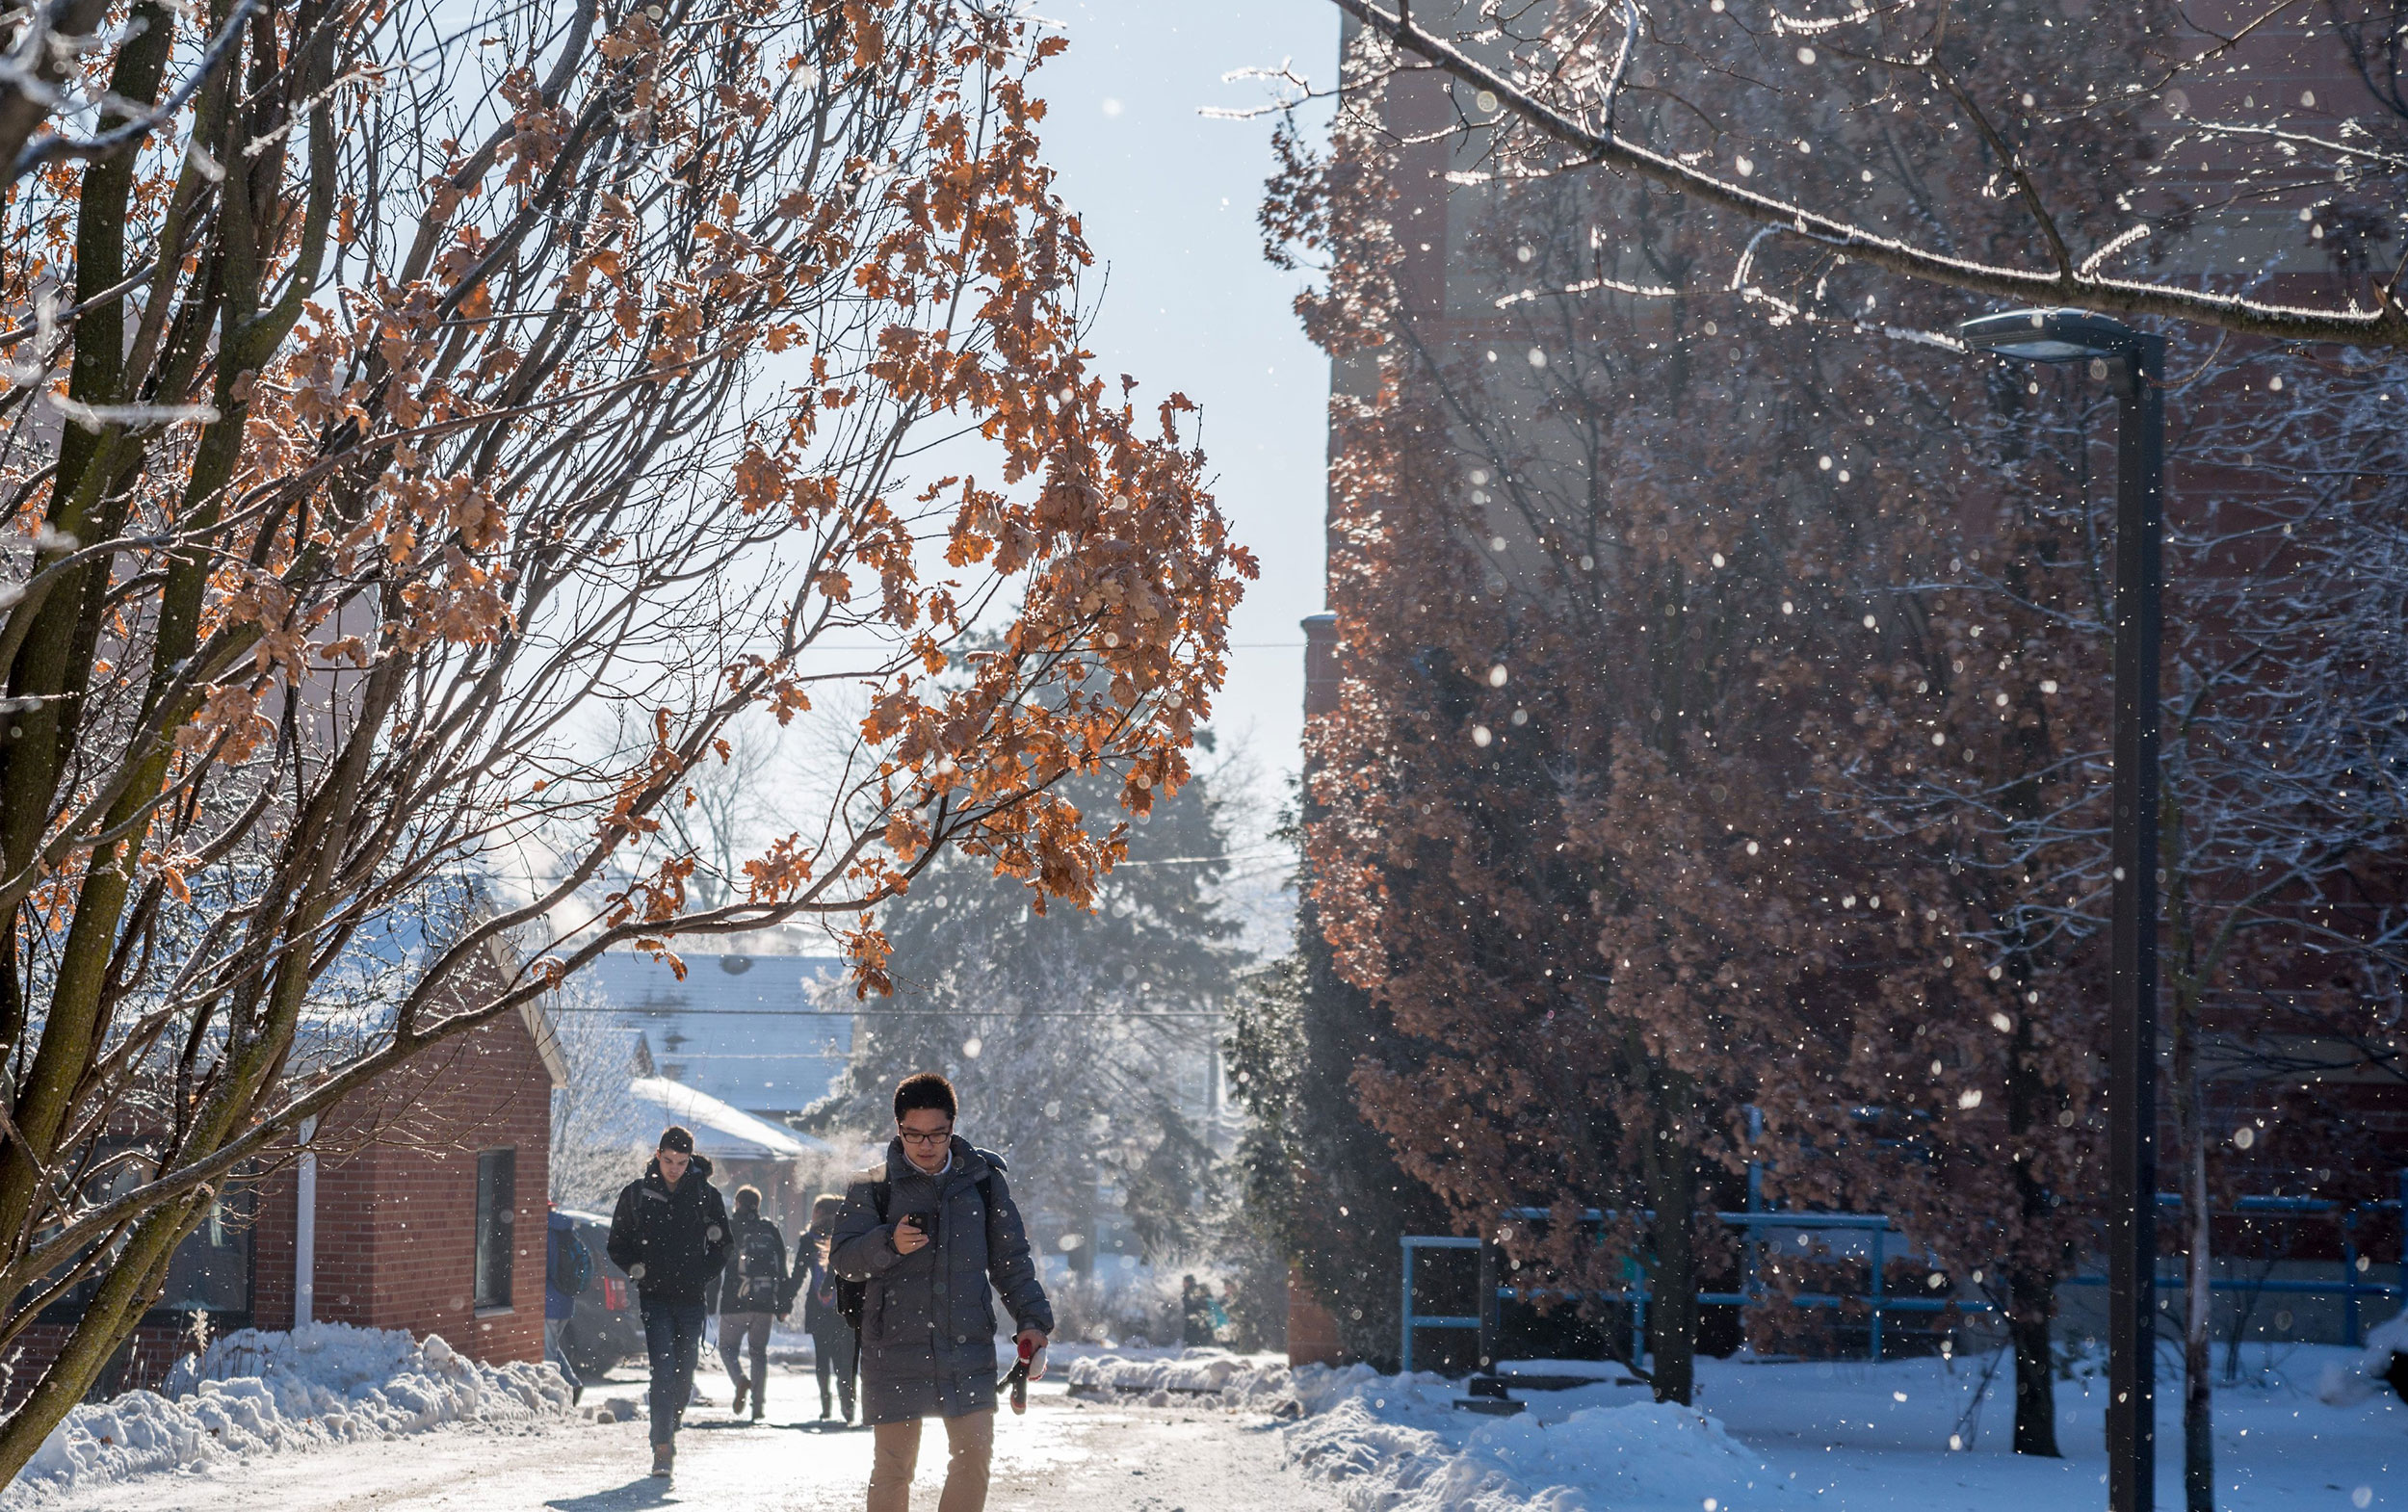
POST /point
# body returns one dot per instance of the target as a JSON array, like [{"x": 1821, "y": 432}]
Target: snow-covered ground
[
  {"x": 1837, "y": 1435},
  {"x": 1064, "y": 1456},
  {"x": 1201, "y": 1431}
]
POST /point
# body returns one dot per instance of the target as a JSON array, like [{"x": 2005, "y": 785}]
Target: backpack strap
[
  {"x": 881, "y": 1193},
  {"x": 986, "y": 1184}
]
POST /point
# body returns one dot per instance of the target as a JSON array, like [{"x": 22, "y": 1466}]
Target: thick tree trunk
[
  {"x": 2030, "y": 1282},
  {"x": 125, "y": 1293},
  {"x": 1672, "y": 1191},
  {"x": 2031, "y": 1297},
  {"x": 2198, "y": 1267}
]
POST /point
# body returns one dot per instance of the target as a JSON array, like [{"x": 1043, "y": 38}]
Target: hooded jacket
[
  {"x": 928, "y": 1319},
  {"x": 672, "y": 1242}
]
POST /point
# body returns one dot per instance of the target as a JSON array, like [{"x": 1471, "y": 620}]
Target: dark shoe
[
  {"x": 736, "y": 1408},
  {"x": 756, "y": 1409},
  {"x": 663, "y": 1456}
]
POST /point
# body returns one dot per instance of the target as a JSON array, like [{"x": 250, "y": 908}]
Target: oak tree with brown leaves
[{"x": 403, "y": 398}]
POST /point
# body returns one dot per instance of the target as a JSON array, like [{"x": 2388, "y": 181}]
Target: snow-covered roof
[
  {"x": 744, "y": 1029},
  {"x": 738, "y": 1133},
  {"x": 352, "y": 1004}
]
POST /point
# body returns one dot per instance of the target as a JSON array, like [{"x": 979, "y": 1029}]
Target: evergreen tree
[{"x": 1080, "y": 1040}]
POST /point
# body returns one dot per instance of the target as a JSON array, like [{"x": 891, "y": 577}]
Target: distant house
[
  {"x": 734, "y": 1049},
  {"x": 744, "y": 1027}
]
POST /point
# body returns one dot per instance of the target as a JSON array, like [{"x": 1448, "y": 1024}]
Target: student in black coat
[
  {"x": 752, "y": 1292},
  {"x": 671, "y": 1236}
]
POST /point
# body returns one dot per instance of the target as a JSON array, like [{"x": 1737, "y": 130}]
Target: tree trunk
[
  {"x": 2030, "y": 1282},
  {"x": 1672, "y": 1191},
  {"x": 117, "y": 1304},
  {"x": 2198, "y": 1264},
  {"x": 2031, "y": 1298}
]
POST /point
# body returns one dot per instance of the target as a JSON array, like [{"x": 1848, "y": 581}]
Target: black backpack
[
  {"x": 852, "y": 1297},
  {"x": 760, "y": 1270},
  {"x": 572, "y": 1263}
]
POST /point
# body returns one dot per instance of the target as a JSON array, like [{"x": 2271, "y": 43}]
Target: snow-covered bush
[
  {"x": 1260, "y": 1381},
  {"x": 2347, "y": 1383},
  {"x": 1395, "y": 1443}
]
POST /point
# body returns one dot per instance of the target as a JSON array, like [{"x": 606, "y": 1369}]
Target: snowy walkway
[
  {"x": 1802, "y": 1436},
  {"x": 1064, "y": 1456}
]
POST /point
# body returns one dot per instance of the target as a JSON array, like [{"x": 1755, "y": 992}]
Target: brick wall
[
  {"x": 143, "y": 1361},
  {"x": 397, "y": 1200},
  {"x": 397, "y": 1210}
]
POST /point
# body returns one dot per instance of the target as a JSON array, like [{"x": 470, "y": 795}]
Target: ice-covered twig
[
  {"x": 2113, "y": 247},
  {"x": 53, "y": 145},
  {"x": 95, "y": 417}
]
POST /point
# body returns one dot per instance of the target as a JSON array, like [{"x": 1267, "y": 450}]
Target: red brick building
[
  {"x": 426, "y": 1213},
  {"x": 430, "y": 1201}
]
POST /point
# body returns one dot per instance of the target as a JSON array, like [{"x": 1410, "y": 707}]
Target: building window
[
  {"x": 210, "y": 1270},
  {"x": 497, "y": 1209}
]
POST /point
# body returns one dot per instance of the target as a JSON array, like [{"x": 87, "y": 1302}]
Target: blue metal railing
[{"x": 1878, "y": 1301}]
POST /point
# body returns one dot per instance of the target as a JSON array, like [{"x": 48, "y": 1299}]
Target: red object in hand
[{"x": 1018, "y": 1379}]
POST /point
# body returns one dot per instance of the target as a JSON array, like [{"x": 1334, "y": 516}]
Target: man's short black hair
[
  {"x": 675, "y": 1138},
  {"x": 747, "y": 1199},
  {"x": 925, "y": 1089}
]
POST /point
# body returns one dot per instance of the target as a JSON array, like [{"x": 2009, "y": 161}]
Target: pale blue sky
[{"x": 1169, "y": 196}]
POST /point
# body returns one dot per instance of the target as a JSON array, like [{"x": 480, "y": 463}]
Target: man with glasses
[{"x": 924, "y": 1237}]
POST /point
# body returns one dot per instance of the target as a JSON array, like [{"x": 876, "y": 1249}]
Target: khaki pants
[
  {"x": 970, "y": 1444},
  {"x": 740, "y": 1332}
]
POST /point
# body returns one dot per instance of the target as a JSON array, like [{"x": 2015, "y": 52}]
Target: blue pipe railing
[{"x": 1878, "y": 1301}]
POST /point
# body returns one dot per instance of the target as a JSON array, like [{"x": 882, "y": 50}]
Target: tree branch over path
[{"x": 1567, "y": 127}]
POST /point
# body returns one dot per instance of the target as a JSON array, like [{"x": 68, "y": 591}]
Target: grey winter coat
[{"x": 928, "y": 1319}]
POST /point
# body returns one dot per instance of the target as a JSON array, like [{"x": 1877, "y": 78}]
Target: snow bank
[
  {"x": 1396, "y": 1443},
  {"x": 2347, "y": 1382},
  {"x": 1238, "y": 1380},
  {"x": 256, "y": 1392}
]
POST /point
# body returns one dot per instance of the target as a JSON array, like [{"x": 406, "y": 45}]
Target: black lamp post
[{"x": 2133, "y": 363}]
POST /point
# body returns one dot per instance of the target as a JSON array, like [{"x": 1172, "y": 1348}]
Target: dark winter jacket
[
  {"x": 672, "y": 1243},
  {"x": 755, "y": 1284},
  {"x": 816, "y": 1284},
  {"x": 928, "y": 1319},
  {"x": 564, "y": 1260}
]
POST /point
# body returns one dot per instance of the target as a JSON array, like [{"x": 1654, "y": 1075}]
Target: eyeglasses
[{"x": 914, "y": 1136}]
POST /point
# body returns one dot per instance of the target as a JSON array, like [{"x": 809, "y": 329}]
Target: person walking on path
[
  {"x": 1196, "y": 1314},
  {"x": 670, "y": 1235},
  {"x": 567, "y": 1270},
  {"x": 923, "y": 1235},
  {"x": 835, "y": 1348},
  {"x": 751, "y": 1294}
]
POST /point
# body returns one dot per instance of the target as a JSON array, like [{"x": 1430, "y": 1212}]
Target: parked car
[{"x": 605, "y": 1329}]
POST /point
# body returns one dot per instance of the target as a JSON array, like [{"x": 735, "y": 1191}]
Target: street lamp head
[{"x": 2049, "y": 335}]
